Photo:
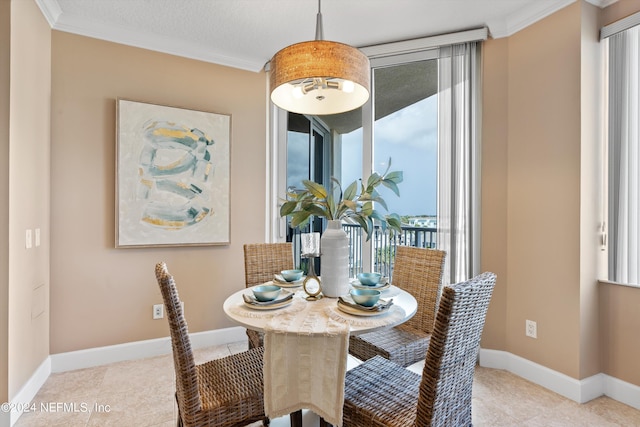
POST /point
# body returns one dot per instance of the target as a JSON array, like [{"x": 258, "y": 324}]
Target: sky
[{"x": 409, "y": 138}]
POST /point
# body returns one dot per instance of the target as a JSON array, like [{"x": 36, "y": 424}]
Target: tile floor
[{"x": 140, "y": 393}]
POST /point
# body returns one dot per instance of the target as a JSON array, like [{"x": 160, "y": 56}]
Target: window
[
  {"x": 422, "y": 105},
  {"x": 623, "y": 151}
]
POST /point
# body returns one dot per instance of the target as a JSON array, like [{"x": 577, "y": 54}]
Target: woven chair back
[
  {"x": 419, "y": 272},
  {"x": 447, "y": 377},
  {"x": 187, "y": 392},
  {"x": 263, "y": 260}
]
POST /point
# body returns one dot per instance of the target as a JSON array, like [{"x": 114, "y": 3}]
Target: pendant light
[{"x": 319, "y": 77}]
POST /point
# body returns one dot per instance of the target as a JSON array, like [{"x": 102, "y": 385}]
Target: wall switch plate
[
  {"x": 531, "y": 329},
  {"x": 158, "y": 311},
  {"x": 27, "y": 239}
]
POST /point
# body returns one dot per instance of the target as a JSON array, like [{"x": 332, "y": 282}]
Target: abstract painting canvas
[{"x": 172, "y": 176}]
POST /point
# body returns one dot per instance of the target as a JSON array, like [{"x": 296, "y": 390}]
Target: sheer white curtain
[
  {"x": 624, "y": 156},
  {"x": 458, "y": 161}
]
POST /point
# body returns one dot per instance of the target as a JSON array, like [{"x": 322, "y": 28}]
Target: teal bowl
[
  {"x": 291, "y": 275},
  {"x": 266, "y": 292},
  {"x": 365, "y": 297},
  {"x": 369, "y": 279}
]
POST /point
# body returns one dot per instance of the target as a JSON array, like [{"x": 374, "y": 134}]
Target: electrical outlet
[
  {"x": 158, "y": 311},
  {"x": 531, "y": 329}
]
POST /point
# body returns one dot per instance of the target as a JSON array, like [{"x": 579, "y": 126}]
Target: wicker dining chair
[
  {"x": 261, "y": 262},
  {"x": 226, "y": 392},
  {"x": 419, "y": 272},
  {"x": 382, "y": 393}
]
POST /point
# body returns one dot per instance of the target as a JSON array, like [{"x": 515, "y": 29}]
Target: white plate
[
  {"x": 380, "y": 286},
  {"x": 272, "y": 305},
  {"x": 279, "y": 280},
  {"x": 268, "y": 306},
  {"x": 357, "y": 312}
]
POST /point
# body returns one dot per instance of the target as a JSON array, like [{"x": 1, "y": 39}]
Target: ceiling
[{"x": 245, "y": 34}]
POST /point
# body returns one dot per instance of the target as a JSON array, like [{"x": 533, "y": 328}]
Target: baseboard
[
  {"x": 580, "y": 391},
  {"x": 26, "y": 394},
  {"x": 98, "y": 356},
  {"x": 622, "y": 391}
]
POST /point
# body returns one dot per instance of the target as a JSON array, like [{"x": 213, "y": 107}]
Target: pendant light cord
[{"x": 319, "y": 30}]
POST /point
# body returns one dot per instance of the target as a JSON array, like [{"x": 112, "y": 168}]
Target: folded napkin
[
  {"x": 305, "y": 362},
  {"x": 381, "y": 305}
]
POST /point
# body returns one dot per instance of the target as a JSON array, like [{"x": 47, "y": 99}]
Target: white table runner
[{"x": 305, "y": 362}]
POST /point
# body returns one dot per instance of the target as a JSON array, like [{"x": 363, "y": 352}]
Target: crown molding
[
  {"x": 70, "y": 24},
  {"x": 525, "y": 17},
  {"x": 131, "y": 37},
  {"x": 602, "y": 3},
  {"x": 50, "y": 9}
]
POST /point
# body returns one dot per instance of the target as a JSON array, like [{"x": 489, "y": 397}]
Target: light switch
[
  {"x": 37, "y": 237},
  {"x": 27, "y": 238}
]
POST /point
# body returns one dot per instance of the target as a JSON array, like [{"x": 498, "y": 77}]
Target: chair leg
[
  {"x": 266, "y": 421},
  {"x": 323, "y": 423},
  {"x": 296, "y": 418},
  {"x": 179, "y": 423}
]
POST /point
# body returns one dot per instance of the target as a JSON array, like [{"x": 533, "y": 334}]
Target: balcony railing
[{"x": 384, "y": 247}]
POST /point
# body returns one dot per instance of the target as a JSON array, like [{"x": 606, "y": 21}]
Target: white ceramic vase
[{"x": 334, "y": 261}]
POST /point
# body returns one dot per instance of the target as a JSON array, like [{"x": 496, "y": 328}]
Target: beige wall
[
  {"x": 619, "y": 321},
  {"x": 5, "y": 64},
  {"x": 101, "y": 295},
  {"x": 495, "y": 117},
  {"x": 619, "y": 326},
  {"x": 543, "y": 196},
  {"x": 591, "y": 191},
  {"x": 29, "y": 160},
  {"x": 618, "y": 10},
  {"x": 542, "y": 199}
]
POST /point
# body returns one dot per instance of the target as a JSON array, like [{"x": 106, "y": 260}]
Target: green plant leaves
[
  {"x": 287, "y": 208},
  {"x": 316, "y": 190},
  {"x": 351, "y": 192},
  {"x": 333, "y": 203},
  {"x": 366, "y": 209},
  {"x": 394, "y": 222},
  {"x": 391, "y": 181},
  {"x": 317, "y": 210},
  {"x": 300, "y": 218},
  {"x": 373, "y": 181}
]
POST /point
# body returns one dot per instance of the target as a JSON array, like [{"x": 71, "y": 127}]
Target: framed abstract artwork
[{"x": 172, "y": 172}]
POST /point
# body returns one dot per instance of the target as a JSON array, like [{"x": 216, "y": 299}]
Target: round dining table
[
  {"x": 403, "y": 308},
  {"x": 306, "y": 345}
]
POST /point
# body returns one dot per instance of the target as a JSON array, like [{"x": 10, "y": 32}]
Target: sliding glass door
[
  {"x": 403, "y": 128},
  {"x": 405, "y": 131}
]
